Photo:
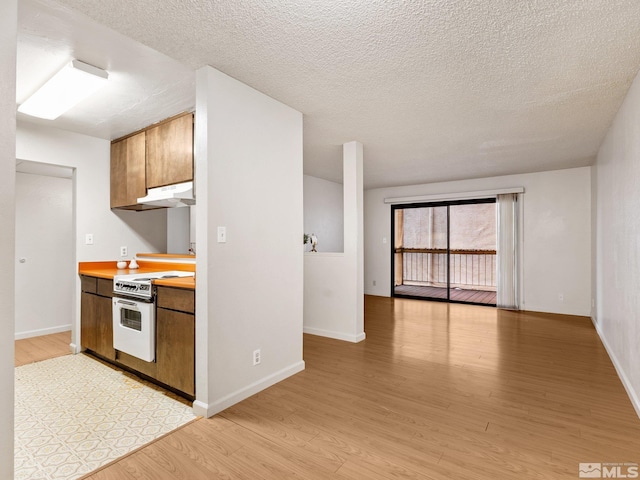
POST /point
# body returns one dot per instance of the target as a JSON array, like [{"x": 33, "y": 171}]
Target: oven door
[{"x": 134, "y": 328}]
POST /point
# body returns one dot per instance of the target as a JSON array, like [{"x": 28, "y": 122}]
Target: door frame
[{"x": 443, "y": 203}]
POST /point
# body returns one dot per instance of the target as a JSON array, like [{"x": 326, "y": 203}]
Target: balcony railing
[{"x": 470, "y": 269}]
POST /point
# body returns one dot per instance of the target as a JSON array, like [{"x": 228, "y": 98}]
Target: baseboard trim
[
  {"x": 202, "y": 409},
  {"x": 42, "y": 331},
  {"x": 633, "y": 395},
  {"x": 360, "y": 337},
  {"x": 347, "y": 337}
]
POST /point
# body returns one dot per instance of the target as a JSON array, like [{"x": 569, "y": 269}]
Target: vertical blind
[{"x": 508, "y": 252}]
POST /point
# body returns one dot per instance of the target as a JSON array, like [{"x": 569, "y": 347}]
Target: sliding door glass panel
[
  {"x": 420, "y": 252},
  {"x": 472, "y": 260},
  {"x": 446, "y": 251}
]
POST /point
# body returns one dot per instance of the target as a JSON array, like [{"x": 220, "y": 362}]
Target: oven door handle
[{"x": 124, "y": 302}]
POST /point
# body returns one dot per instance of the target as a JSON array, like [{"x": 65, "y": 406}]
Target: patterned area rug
[{"x": 73, "y": 414}]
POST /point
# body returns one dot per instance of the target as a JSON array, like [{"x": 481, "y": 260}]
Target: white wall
[
  {"x": 178, "y": 229},
  {"x": 44, "y": 240},
  {"x": 557, "y": 235},
  {"x": 323, "y": 213},
  {"x": 89, "y": 156},
  {"x": 618, "y": 231},
  {"x": 334, "y": 282},
  {"x": 249, "y": 289},
  {"x": 8, "y": 26}
]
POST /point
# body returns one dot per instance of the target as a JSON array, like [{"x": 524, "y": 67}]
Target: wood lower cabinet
[
  {"x": 176, "y": 338},
  {"x": 175, "y": 333},
  {"x": 96, "y": 322},
  {"x": 104, "y": 328},
  {"x": 175, "y": 351},
  {"x": 88, "y": 321},
  {"x": 179, "y": 299}
]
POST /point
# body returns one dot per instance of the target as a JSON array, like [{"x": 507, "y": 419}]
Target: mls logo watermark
[{"x": 608, "y": 470}]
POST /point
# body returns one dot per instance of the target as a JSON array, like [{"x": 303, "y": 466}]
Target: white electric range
[{"x": 134, "y": 320}]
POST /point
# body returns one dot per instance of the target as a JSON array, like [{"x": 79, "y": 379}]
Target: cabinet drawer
[
  {"x": 88, "y": 284},
  {"x": 105, "y": 287},
  {"x": 182, "y": 300}
]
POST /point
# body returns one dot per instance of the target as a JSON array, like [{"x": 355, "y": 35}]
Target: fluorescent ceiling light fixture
[{"x": 75, "y": 82}]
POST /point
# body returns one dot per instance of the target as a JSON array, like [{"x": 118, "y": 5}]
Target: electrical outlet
[
  {"x": 88, "y": 239},
  {"x": 123, "y": 251},
  {"x": 561, "y": 297},
  {"x": 256, "y": 357},
  {"x": 374, "y": 283}
]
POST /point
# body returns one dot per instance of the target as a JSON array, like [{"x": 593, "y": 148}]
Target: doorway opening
[
  {"x": 445, "y": 251},
  {"x": 45, "y": 249}
]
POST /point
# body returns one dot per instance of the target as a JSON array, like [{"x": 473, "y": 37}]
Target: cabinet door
[
  {"x": 104, "y": 328},
  {"x": 175, "y": 349},
  {"x": 88, "y": 332},
  {"x": 128, "y": 171},
  {"x": 170, "y": 152},
  {"x": 96, "y": 325}
]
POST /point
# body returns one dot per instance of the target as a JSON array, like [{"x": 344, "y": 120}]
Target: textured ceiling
[
  {"x": 434, "y": 89},
  {"x": 144, "y": 86}
]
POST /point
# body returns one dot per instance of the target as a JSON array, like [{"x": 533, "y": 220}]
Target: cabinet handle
[{"x": 124, "y": 302}]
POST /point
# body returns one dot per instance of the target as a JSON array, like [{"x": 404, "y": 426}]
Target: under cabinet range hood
[{"x": 177, "y": 195}]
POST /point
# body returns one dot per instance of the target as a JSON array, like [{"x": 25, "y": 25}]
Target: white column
[
  {"x": 354, "y": 230},
  {"x": 201, "y": 153}
]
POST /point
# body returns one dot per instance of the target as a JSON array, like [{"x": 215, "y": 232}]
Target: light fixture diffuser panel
[{"x": 72, "y": 84}]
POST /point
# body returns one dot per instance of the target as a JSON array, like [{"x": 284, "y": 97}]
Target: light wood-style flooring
[
  {"x": 436, "y": 391},
  {"x": 36, "y": 349}
]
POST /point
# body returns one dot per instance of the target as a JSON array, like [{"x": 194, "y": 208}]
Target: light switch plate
[
  {"x": 222, "y": 234},
  {"x": 88, "y": 239}
]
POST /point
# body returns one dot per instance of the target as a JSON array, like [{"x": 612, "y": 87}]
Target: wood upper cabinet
[
  {"x": 170, "y": 152},
  {"x": 128, "y": 171},
  {"x": 159, "y": 155}
]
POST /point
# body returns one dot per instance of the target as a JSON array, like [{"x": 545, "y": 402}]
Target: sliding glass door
[{"x": 445, "y": 251}]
